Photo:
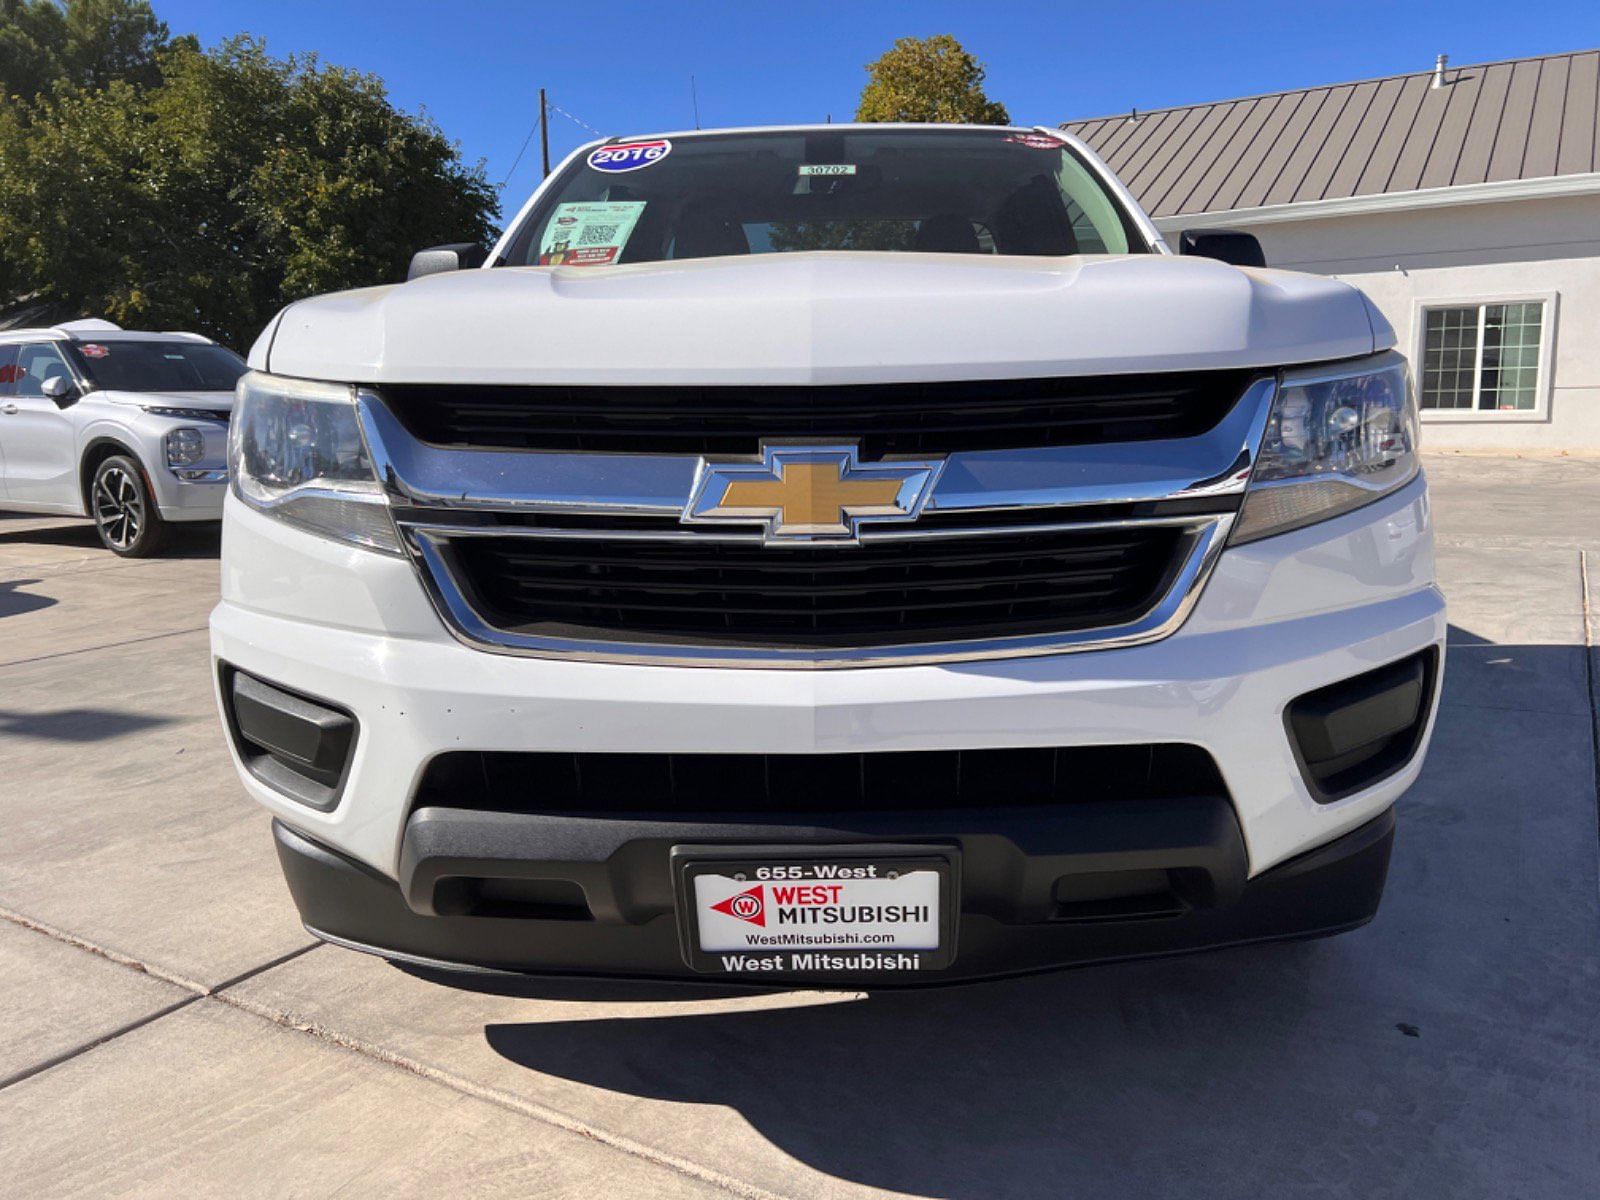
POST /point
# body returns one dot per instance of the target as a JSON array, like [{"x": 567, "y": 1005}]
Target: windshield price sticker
[
  {"x": 827, "y": 168},
  {"x": 588, "y": 235},
  {"x": 825, "y": 916},
  {"x": 629, "y": 156}
]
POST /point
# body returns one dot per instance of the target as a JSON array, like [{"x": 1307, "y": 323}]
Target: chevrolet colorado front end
[{"x": 836, "y": 555}]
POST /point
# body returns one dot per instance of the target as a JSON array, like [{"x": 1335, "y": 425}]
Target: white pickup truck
[{"x": 847, "y": 555}]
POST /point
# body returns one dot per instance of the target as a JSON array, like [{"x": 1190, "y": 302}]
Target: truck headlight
[
  {"x": 296, "y": 453},
  {"x": 1337, "y": 438}
]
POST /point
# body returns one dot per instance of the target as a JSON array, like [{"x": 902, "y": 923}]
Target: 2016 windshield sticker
[
  {"x": 589, "y": 234},
  {"x": 94, "y": 350},
  {"x": 629, "y": 156},
  {"x": 827, "y": 168}
]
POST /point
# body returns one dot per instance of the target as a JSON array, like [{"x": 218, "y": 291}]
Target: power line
[
  {"x": 534, "y": 128},
  {"x": 520, "y": 153},
  {"x": 556, "y": 107}
]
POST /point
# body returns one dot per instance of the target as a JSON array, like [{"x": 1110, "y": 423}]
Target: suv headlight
[
  {"x": 1337, "y": 438},
  {"x": 186, "y": 446},
  {"x": 295, "y": 452}
]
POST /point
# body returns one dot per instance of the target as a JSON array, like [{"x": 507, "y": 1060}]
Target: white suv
[
  {"x": 128, "y": 428},
  {"x": 836, "y": 555}
]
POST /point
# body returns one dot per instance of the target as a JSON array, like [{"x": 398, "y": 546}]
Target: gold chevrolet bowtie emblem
[{"x": 809, "y": 493}]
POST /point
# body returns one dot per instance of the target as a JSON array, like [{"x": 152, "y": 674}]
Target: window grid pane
[
  {"x": 1499, "y": 375},
  {"x": 1449, "y": 359},
  {"x": 1511, "y": 357}
]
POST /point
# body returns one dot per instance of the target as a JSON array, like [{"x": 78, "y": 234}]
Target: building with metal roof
[
  {"x": 1464, "y": 199},
  {"x": 1529, "y": 118}
]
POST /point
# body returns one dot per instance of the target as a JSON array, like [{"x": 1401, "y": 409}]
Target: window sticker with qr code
[{"x": 590, "y": 234}]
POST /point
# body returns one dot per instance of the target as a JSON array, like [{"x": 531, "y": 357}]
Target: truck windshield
[
  {"x": 159, "y": 366},
  {"x": 927, "y": 191}
]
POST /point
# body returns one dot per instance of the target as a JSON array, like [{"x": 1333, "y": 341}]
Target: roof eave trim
[{"x": 1349, "y": 206}]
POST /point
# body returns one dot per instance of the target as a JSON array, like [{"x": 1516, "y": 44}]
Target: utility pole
[{"x": 544, "y": 133}]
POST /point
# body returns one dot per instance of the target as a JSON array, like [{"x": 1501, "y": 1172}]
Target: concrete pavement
[{"x": 170, "y": 1026}]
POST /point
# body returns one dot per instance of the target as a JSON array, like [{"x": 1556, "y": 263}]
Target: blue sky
[{"x": 476, "y": 66}]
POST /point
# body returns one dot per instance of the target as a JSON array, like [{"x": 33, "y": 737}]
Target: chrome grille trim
[
  {"x": 437, "y": 494},
  {"x": 674, "y": 533},
  {"x": 417, "y": 475}
]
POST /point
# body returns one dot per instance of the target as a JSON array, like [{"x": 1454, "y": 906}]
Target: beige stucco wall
[{"x": 1548, "y": 247}]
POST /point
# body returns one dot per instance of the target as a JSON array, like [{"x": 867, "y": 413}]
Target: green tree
[
  {"x": 89, "y": 43},
  {"x": 928, "y": 79},
  {"x": 238, "y": 184}
]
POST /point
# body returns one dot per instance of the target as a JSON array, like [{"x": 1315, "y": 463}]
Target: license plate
[{"x": 845, "y": 911}]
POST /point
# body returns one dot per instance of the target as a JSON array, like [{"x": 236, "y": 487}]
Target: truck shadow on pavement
[
  {"x": 1077, "y": 1083},
  {"x": 1448, "y": 1048}
]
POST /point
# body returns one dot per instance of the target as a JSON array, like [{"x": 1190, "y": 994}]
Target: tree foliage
[
  {"x": 231, "y": 185},
  {"x": 88, "y": 43},
  {"x": 928, "y": 79}
]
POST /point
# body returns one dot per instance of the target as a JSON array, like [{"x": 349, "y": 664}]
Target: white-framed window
[{"x": 1484, "y": 358}]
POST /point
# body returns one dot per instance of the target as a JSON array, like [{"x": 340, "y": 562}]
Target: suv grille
[
  {"x": 880, "y": 593},
  {"x": 900, "y": 418}
]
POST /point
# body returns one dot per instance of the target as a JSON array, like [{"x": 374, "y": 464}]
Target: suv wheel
[{"x": 124, "y": 511}]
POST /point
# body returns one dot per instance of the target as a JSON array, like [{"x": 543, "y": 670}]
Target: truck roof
[{"x": 834, "y": 127}]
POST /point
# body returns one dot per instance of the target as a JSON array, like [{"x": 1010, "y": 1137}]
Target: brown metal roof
[{"x": 1527, "y": 118}]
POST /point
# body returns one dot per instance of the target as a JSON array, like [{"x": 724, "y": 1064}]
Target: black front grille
[
  {"x": 901, "y": 418},
  {"x": 784, "y": 785},
  {"x": 881, "y": 593}
]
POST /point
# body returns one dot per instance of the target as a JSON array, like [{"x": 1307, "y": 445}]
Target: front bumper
[
  {"x": 1278, "y": 619},
  {"x": 189, "y": 500},
  {"x": 1333, "y": 888},
  {"x": 198, "y": 498}
]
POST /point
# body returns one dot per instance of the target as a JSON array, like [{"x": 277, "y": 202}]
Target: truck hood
[{"x": 822, "y": 318}]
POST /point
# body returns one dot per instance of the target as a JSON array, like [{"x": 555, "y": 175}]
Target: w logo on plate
[{"x": 747, "y": 906}]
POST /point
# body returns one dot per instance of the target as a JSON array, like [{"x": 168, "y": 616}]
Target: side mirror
[
  {"x": 1224, "y": 245},
  {"x": 60, "y": 389},
  {"x": 457, "y": 256}
]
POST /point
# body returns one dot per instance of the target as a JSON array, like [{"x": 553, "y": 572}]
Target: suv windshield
[
  {"x": 928, "y": 191},
  {"x": 157, "y": 366}
]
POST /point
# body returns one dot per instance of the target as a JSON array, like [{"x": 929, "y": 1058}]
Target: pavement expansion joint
[
  {"x": 105, "y": 952},
  {"x": 67, "y": 1055},
  {"x": 538, "y": 1112},
  {"x": 221, "y": 994},
  {"x": 89, "y": 564},
  {"x": 133, "y": 641}
]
